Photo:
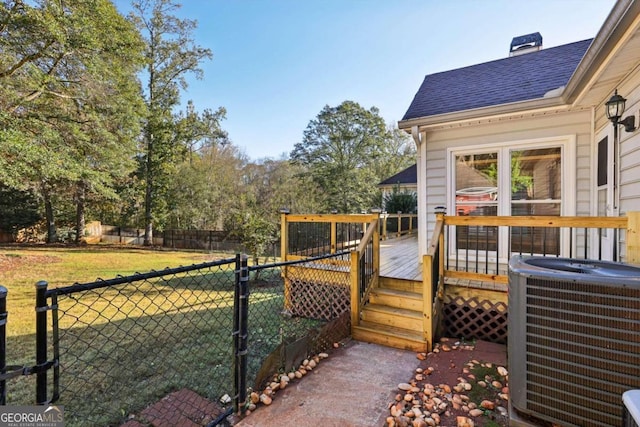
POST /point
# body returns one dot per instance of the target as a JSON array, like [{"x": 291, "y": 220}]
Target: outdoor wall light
[{"x": 615, "y": 109}]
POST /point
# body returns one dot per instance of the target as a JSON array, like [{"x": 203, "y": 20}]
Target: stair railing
[
  {"x": 433, "y": 281},
  {"x": 365, "y": 269}
]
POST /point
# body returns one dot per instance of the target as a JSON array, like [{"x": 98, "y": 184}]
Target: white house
[
  {"x": 529, "y": 135},
  {"x": 404, "y": 181}
]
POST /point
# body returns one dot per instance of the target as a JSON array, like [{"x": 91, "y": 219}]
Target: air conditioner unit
[
  {"x": 574, "y": 339},
  {"x": 631, "y": 408}
]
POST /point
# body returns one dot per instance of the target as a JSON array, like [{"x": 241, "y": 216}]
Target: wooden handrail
[
  {"x": 348, "y": 218},
  {"x": 367, "y": 235},
  {"x": 539, "y": 221},
  {"x": 435, "y": 238},
  {"x": 357, "y": 300}
]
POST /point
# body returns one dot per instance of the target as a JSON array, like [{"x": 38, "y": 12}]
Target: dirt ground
[{"x": 453, "y": 362}]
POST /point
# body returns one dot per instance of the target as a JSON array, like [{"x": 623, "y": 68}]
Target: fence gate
[{"x": 116, "y": 350}]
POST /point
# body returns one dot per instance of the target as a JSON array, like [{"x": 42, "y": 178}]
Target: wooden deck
[{"x": 399, "y": 258}]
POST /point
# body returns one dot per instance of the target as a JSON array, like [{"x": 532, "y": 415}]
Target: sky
[{"x": 277, "y": 63}]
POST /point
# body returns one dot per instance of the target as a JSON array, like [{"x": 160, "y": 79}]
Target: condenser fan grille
[{"x": 582, "y": 350}]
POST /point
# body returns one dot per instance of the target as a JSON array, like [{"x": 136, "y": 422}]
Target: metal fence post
[
  {"x": 41, "y": 341},
  {"x": 3, "y": 343},
  {"x": 241, "y": 315}
]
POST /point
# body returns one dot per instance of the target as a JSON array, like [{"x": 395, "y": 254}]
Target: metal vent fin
[{"x": 582, "y": 350}]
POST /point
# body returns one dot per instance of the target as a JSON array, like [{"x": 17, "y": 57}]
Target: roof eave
[
  {"x": 620, "y": 17},
  {"x": 512, "y": 108}
]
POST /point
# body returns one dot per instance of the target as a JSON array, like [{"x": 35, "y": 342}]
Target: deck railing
[
  {"x": 365, "y": 269},
  {"x": 472, "y": 248},
  {"x": 479, "y": 247},
  {"x": 303, "y": 236},
  {"x": 398, "y": 224}
]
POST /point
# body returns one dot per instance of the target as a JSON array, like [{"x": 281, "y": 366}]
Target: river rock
[
  {"x": 487, "y": 404},
  {"x": 476, "y": 412},
  {"x": 419, "y": 422},
  {"x": 266, "y": 400}
]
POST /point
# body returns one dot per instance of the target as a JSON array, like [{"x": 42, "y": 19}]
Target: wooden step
[
  {"x": 401, "y": 284},
  {"x": 392, "y": 316},
  {"x": 390, "y": 336},
  {"x": 396, "y": 298}
]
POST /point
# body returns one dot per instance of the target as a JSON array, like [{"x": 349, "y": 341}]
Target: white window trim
[{"x": 568, "y": 157}]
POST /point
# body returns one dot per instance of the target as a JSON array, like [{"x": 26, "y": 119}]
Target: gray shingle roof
[
  {"x": 517, "y": 78},
  {"x": 407, "y": 176}
]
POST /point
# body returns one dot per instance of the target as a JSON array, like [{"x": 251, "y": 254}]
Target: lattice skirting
[
  {"x": 316, "y": 300},
  {"x": 474, "y": 319}
]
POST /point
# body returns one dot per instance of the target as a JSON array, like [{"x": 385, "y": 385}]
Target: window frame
[{"x": 567, "y": 144}]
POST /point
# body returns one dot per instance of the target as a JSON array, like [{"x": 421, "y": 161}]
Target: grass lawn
[
  {"x": 22, "y": 267},
  {"x": 124, "y": 347}
]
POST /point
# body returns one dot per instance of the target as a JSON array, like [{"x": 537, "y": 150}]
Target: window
[{"x": 510, "y": 180}]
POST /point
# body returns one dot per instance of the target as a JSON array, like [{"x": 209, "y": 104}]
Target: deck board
[{"x": 399, "y": 258}]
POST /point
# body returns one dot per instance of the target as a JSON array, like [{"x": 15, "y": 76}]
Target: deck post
[
  {"x": 284, "y": 234},
  {"x": 633, "y": 237},
  {"x": 427, "y": 300},
  {"x": 384, "y": 225},
  {"x": 355, "y": 295},
  {"x": 443, "y": 252}
]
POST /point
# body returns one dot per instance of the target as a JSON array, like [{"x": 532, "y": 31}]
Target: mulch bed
[{"x": 450, "y": 363}]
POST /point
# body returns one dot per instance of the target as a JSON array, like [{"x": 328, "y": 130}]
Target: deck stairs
[{"x": 393, "y": 316}]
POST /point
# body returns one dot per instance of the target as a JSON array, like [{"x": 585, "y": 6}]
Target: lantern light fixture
[{"x": 614, "y": 108}]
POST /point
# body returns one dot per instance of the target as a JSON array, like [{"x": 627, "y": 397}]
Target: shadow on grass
[{"x": 115, "y": 360}]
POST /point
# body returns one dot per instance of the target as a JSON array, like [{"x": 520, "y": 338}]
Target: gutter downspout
[{"x": 420, "y": 138}]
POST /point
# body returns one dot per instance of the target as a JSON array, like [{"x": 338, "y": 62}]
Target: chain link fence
[
  {"x": 187, "y": 342},
  {"x": 296, "y": 309},
  {"x": 125, "y": 343}
]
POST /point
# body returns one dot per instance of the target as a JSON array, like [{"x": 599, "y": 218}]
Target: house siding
[
  {"x": 551, "y": 125},
  {"x": 630, "y": 158}
]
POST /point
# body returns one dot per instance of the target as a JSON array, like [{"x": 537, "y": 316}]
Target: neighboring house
[
  {"x": 404, "y": 181},
  {"x": 528, "y": 134}
]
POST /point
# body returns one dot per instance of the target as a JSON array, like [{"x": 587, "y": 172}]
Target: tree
[
  {"x": 206, "y": 187},
  {"x": 69, "y": 99},
  {"x": 401, "y": 201},
  {"x": 340, "y": 149},
  {"x": 18, "y": 209},
  {"x": 399, "y": 152},
  {"x": 278, "y": 184},
  {"x": 253, "y": 230},
  {"x": 171, "y": 54}
]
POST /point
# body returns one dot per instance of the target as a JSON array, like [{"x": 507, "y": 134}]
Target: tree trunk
[
  {"x": 148, "y": 196},
  {"x": 80, "y": 220},
  {"x": 52, "y": 233}
]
